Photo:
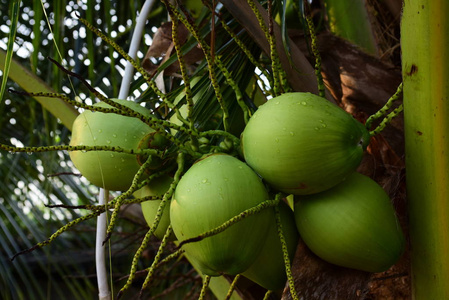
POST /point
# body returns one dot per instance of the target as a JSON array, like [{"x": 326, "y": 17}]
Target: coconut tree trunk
[
  {"x": 357, "y": 28},
  {"x": 425, "y": 50}
]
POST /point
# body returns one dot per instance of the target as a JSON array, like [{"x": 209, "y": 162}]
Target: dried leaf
[{"x": 163, "y": 47}]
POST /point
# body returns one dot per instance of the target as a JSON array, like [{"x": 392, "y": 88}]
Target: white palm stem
[{"x": 102, "y": 278}]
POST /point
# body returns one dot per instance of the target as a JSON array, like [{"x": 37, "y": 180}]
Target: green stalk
[
  {"x": 425, "y": 54},
  {"x": 349, "y": 19},
  {"x": 218, "y": 285}
]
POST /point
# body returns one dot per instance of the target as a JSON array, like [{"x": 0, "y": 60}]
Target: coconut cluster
[
  {"x": 297, "y": 144},
  {"x": 304, "y": 145}
]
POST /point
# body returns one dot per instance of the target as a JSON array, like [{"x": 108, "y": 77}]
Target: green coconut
[
  {"x": 353, "y": 225},
  {"x": 269, "y": 268},
  {"x": 107, "y": 169},
  {"x": 156, "y": 187},
  {"x": 211, "y": 192},
  {"x": 302, "y": 144}
]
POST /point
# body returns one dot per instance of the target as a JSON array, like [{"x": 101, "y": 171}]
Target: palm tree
[{"x": 241, "y": 55}]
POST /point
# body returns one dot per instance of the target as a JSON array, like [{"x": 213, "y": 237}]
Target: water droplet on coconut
[
  {"x": 112, "y": 155},
  {"x": 95, "y": 138},
  {"x": 108, "y": 141},
  {"x": 226, "y": 179},
  {"x": 135, "y": 136},
  {"x": 123, "y": 160},
  {"x": 126, "y": 140},
  {"x": 204, "y": 180},
  {"x": 284, "y": 129},
  {"x": 323, "y": 125},
  {"x": 100, "y": 131},
  {"x": 304, "y": 103},
  {"x": 188, "y": 190},
  {"x": 292, "y": 133},
  {"x": 114, "y": 135},
  {"x": 277, "y": 102},
  {"x": 276, "y": 140},
  {"x": 316, "y": 128},
  {"x": 240, "y": 167}
]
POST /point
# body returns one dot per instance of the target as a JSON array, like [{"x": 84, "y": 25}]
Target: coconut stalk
[
  {"x": 425, "y": 54},
  {"x": 349, "y": 19}
]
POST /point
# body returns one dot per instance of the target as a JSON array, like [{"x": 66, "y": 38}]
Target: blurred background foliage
[{"x": 28, "y": 183}]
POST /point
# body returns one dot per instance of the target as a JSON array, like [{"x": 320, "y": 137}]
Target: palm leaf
[{"x": 12, "y": 34}]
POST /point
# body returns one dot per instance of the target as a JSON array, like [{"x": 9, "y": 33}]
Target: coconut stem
[
  {"x": 58, "y": 233},
  {"x": 188, "y": 91},
  {"x": 247, "y": 52},
  {"x": 288, "y": 268},
  {"x": 232, "y": 287},
  {"x": 135, "y": 260},
  {"x": 122, "y": 197},
  {"x": 167, "y": 196},
  {"x": 267, "y": 295},
  {"x": 170, "y": 257},
  {"x": 383, "y": 111},
  {"x": 232, "y": 221},
  {"x": 316, "y": 54},
  {"x": 191, "y": 26},
  {"x": 234, "y": 139},
  {"x": 185, "y": 76},
  {"x": 157, "y": 259},
  {"x": 206, "y": 281},
  {"x": 273, "y": 51},
  {"x": 126, "y": 56},
  {"x": 235, "y": 88},
  {"x": 387, "y": 120},
  {"x": 157, "y": 124},
  {"x": 102, "y": 207}
]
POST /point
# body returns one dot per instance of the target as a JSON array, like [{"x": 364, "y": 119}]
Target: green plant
[{"x": 226, "y": 66}]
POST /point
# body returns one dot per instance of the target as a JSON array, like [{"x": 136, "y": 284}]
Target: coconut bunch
[
  {"x": 304, "y": 145},
  {"x": 221, "y": 213}
]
